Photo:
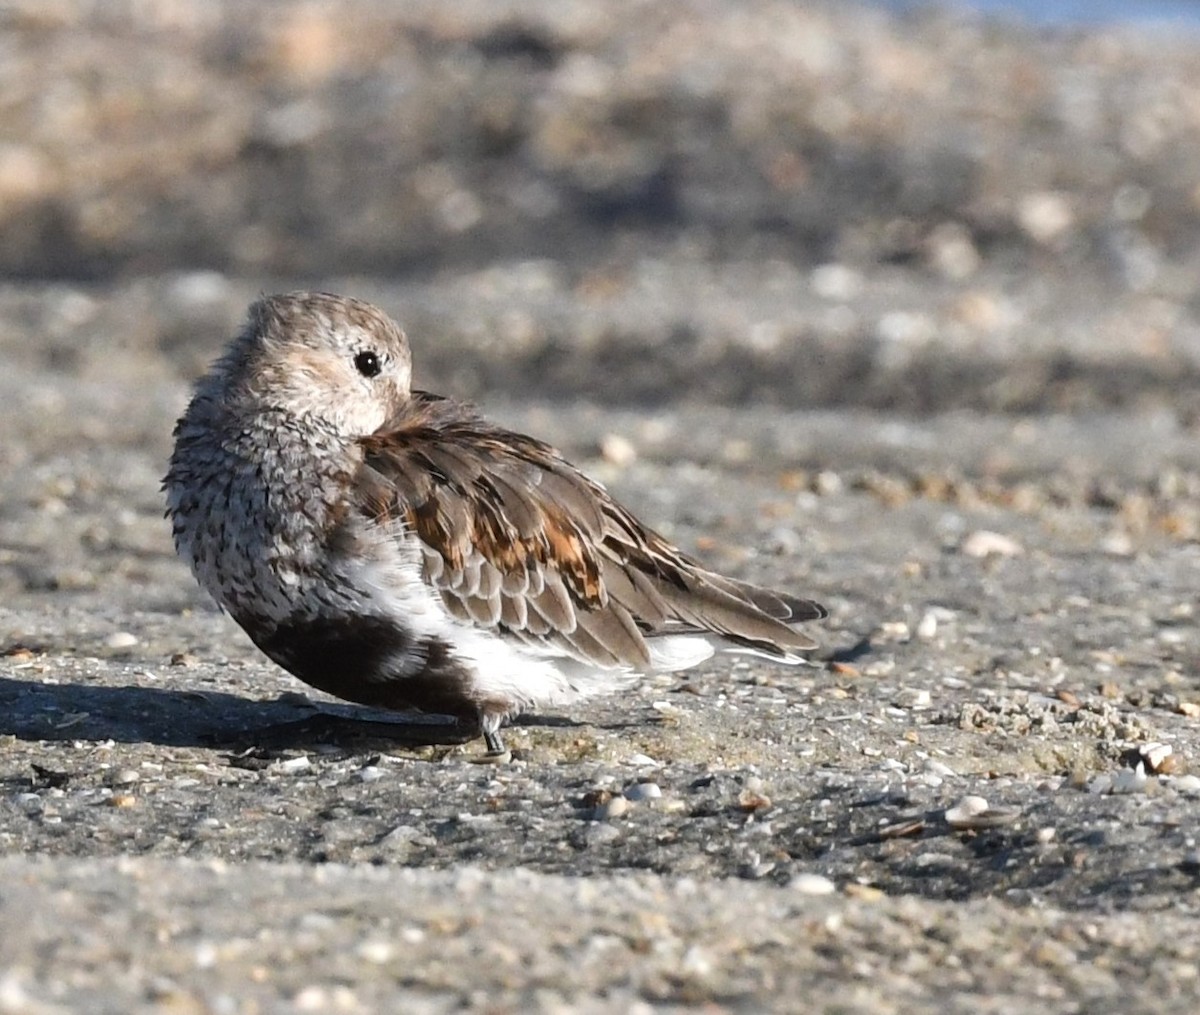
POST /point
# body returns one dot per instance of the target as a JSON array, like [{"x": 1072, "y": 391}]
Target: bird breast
[{"x": 253, "y": 509}]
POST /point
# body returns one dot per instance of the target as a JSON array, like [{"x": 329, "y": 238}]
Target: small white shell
[
  {"x": 967, "y": 808},
  {"x": 812, "y": 884},
  {"x": 1155, "y": 754},
  {"x": 617, "y": 807},
  {"x": 974, "y": 813},
  {"x": 984, "y": 543}
]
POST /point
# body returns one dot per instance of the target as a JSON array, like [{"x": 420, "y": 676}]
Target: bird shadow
[{"x": 130, "y": 713}]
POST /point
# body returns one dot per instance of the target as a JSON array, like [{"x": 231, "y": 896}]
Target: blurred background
[
  {"x": 890, "y": 305},
  {"x": 805, "y": 204}
]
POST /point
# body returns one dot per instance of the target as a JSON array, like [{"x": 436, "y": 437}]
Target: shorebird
[{"x": 395, "y": 549}]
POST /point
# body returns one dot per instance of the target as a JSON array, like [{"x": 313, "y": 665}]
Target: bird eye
[{"x": 367, "y": 363}]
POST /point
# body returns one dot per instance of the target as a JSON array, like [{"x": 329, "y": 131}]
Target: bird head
[{"x": 332, "y": 361}]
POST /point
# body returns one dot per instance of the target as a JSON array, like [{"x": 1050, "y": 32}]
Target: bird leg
[{"x": 489, "y": 727}]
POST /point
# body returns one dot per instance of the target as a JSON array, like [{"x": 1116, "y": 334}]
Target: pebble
[
  {"x": 904, "y": 327},
  {"x": 1117, "y": 544},
  {"x": 370, "y": 773},
  {"x": 199, "y": 288},
  {"x": 913, "y": 698},
  {"x": 29, "y": 801},
  {"x": 985, "y": 543},
  {"x": 828, "y": 483},
  {"x": 402, "y": 834},
  {"x": 311, "y": 998},
  {"x": 973, "y": 813},
  {"x": 376, "y": 952},
  {"x": 928, "y": 625},
  {"x": 896, "y": 630},
  {"x": 1155, "y": 756},
  {"x": 786, "y": 541},
  {"x": 1128, "y": 780},
  {"x": 951, "y": 252},
  {"x": 124, "y": 777},
  {"x": 902, "y": 829},
  {"x": 1189, "y": 784},
  {"x": 737, "y": 451},
  {"x": 13, "y": 996},
  {"x": 751, "y": 800},
  {"x": 599, "y": 832},
  {"x": 1045, "y": 216},
  {"x": 617, "y": 450},
  {"x": 1055, "y": 953},
  {"x": 643, "y": 791},
  {"x": 617, "y": 807},
  {"x": 812, "y": 884},
  {"x": 205, "y": 955},
  {"x": 836, "y": 282},
  {"x": 299, "y": 764},
  {"x": 120, "y": 639},
  {"x": 696, "y": 962}
]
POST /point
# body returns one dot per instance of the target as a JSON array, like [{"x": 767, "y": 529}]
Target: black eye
[{"x": 367, "y": 363}]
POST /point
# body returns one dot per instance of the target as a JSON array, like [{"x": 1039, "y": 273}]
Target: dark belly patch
[{"x": 374, "y": 661}]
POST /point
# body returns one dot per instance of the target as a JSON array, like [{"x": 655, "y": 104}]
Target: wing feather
[{"x": 517, "y": 539}]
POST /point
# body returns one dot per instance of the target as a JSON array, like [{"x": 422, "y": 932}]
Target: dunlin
[{"x": 393, "y": 548}]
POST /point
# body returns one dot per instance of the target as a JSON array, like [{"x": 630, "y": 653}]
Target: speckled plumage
[{"x": 394, "y": 549}]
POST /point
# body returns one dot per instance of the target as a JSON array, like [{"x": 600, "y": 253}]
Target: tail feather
[
  {"x": 754, "y": 618},
  {"x": 781, "y": 606}
]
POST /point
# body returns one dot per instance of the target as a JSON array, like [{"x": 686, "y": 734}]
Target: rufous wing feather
[{"x": 516, "y": 538}]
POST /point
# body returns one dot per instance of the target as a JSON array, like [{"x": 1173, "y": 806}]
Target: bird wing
[{"x": 515, "y": 538}]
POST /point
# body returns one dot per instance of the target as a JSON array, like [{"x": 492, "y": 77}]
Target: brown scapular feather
[{"x": 524, "y": 542}]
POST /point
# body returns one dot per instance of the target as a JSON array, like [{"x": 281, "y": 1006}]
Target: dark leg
[{"x": 489, "y": 727}]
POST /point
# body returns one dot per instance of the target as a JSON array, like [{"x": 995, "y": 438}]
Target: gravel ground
[
  {"x": 148, "y": 782},
  {"x": 928, "y": 355}
]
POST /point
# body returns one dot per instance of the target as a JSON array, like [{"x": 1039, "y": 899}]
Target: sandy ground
[{"x": 928, "y": 355}]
